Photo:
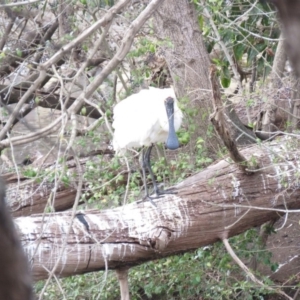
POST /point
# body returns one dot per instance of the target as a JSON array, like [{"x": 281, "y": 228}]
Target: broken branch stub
[{"x": 218, "y": 119}]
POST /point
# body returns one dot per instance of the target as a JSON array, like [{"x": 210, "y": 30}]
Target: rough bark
[
  {"x": 279, "y": 63},
  {"x": 188, "y": 62},
  {"x": 289, "y": 14},
  {"x": 28, "y": 196},
  {"x": 217, "y": 203},
  {"x": 187, "y": 57},
  {"x": 266, "y": 122},
  {"x": 177, "y": 22}
]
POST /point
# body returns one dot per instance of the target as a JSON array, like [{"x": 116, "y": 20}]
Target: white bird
[{"x": 142, "y": 119}]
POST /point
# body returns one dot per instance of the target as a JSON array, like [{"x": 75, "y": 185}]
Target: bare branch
[
  {"x": 102, "y": 22},
  {"x": 52, "y": 127},
  {"x": 74, "y": 108},
  {"x": 125, "y": 47},
  {"x": 19, "y": 3},
  {"x": 6, "y": 32}
]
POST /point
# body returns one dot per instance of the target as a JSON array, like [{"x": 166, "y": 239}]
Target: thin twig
[
  {"x": 65, "y": 241},
  {"x": 249, "y": 273}
]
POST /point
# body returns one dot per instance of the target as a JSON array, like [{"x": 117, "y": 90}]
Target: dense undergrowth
[{"x": 206, "y": 273}]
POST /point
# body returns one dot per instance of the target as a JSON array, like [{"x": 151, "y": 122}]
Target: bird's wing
[{"x": 134, "y": 120}]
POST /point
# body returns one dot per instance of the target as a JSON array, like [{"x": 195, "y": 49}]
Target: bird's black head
[
  {"x": 169, "y": 101},
  {"x": 169, "y": 104},
  {"x": 172, "y": 142}
]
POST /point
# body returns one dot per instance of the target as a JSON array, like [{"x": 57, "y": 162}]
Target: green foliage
[
  {"x": 248, "y": 31},
  {"x": 143, "y": 53},
  {"x": 30, "y": 172},
  {"x": 19, "y": 52},
  {"x": 2, "y": 55}
]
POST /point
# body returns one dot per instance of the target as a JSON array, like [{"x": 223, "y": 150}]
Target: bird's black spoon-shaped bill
[{"x": 172, "y": 142}]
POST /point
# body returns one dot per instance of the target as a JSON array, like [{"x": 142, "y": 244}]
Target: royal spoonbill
[{"x": 142, "y": 119}]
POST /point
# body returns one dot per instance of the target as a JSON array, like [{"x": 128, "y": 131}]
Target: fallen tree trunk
[
  {"x": 28, "y": 196},
  {"x": 217, "y": 203}
]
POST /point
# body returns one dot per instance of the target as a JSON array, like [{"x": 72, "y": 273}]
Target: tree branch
[
  {"x": 19, "y": 3},
  {"x": 218, "y": 120}
]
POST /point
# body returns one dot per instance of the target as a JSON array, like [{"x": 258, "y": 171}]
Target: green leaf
[
  {"x": 200, "y": 22},
  {"x": 239, "y": 51},
  {"x": 83, "y": 111},
  {"x": 227, "y": 35},
  {"x": 225, "y": 82},
  {"x": 261, "y": 47},
  {"x": 251, "y": 55},
  {"x": 19, "y": 52}
]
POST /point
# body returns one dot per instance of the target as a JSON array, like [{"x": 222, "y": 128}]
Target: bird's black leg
[{"x": 146, "y": 164}]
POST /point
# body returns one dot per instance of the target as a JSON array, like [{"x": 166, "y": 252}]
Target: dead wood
[
  {"x": 98, "y": 80},
  {"x": 23, "y": 47},
  {"x": 217, "y": 203},
  {"x": 26, "y": 109},
  {"x": 46, "y": 100},
  {"x": 28, "y": 196}
]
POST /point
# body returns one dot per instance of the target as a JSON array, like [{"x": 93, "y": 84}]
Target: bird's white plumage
[{"x": 141, "y": 119}]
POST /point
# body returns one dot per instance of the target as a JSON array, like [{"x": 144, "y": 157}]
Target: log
[
  {"x": 217, "y": 203},
  {"x": 27, "y": 196}
]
